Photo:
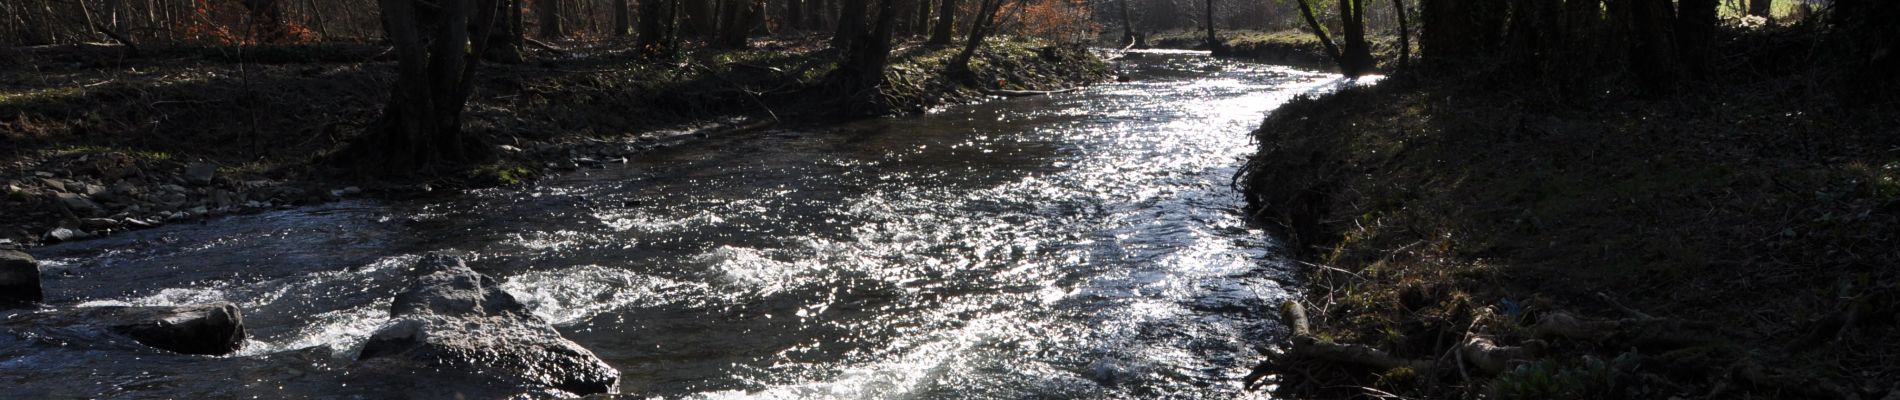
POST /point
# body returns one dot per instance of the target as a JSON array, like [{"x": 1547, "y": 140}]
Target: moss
[{"x": 503, "y": 174}]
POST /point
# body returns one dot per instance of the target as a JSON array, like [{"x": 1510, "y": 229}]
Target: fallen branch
[
  {"x": 544, "y": 45},
  {"x": 1307, "y": 345}
]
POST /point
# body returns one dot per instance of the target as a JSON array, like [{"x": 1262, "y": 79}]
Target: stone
[
  {"x": 66, "y": 235},
  {"x": 99, "y": 224},
  {"x": 79, "y": 205},
  {"x": 201, "y": 174},
  {"x": 213, "y": 329},
  {"x": 454, "y": 319},
  {"x": 19, "y": 280},
  {"x": 58, "y": 185}
]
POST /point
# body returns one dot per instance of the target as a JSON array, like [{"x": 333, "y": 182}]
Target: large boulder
[
  {"x": 19, "y": 280},
  {"x": 214, "y": 329},
  {"x": 454, "y": 319}
]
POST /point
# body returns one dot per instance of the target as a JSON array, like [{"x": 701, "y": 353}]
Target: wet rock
[
  {"x": 200, "y": 174},
  {"x": 213, "y": 329},
  {"x": 454, "y": 319},
  {"x": 19, "y": 279},
  {"x": 99, "y": 224},
  {"x": 79, "y": 205},
  {"x": 65, "y": 235}
]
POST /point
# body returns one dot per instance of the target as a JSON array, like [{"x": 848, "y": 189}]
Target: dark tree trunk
[
  {"x": 437, "y": 55},
  {"x": 922, "y": 27},
  {"x": 700, "y": 18},
  {"x": 1405, "y": 35},
  {"x": 1213, "y": 41},
  {"x": 946, "y": 27},
  {"x": 505, "y": 40},
  {"x": 795, "y": 14},
  {"x": 1761, "y": 8},
  {"x": 656, "y": 27},
  {"x": 267, "y": 20},
  {"x": 1695, "y": 34},
  {"x": 979, "y": 31},
  {"x": 850, "y": 25},
  {"x": 1319, "y": 30},
  {"x": 740, "y": 19},
  {"x": 1128, "y": 27},
  {"x": 815, "y": 14},
  {"x": 1652, "y": 45},
  {"x": 549, "y": 12},
  {"x": 863, "y": 68},
  {"x": 1356, "y": 51},
  {"x": 623, "y": 21}
]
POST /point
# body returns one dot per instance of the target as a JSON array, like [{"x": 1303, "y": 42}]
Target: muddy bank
[
  {"x": 1463, "y": 238},
  {"x": 95, "y": 142}
]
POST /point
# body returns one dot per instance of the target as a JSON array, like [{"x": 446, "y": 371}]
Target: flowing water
[{"x": 1083, "y": 245}]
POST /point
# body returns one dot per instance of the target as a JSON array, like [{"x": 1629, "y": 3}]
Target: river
[{"x": 1081, "y": 245}]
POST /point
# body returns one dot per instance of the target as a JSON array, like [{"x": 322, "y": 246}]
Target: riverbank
[
  {"x": 96, "y": 143},
  {"x": 1466, "y": 237},
  {"x": 1289, "y": 47}
]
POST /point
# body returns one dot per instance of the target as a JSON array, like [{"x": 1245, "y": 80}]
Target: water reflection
[{"x": 1078, "y": 245}]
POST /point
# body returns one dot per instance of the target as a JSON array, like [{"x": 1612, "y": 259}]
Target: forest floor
[
  {"x": 1736, "y": 239},
  {"x": 92, "y": 141}
]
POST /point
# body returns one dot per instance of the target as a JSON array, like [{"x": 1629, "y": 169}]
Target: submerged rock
[
  {"x": 455, "y": 320},
  {"x": 19, "y": 280},
  {"x": 214, "y": 329},
  {"x": 209, "y": 329}
]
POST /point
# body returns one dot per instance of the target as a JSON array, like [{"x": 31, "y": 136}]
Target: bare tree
[{"x": 438, "y": 52}]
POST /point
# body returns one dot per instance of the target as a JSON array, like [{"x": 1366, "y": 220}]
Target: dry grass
[{"x": 1752, "y": 209}]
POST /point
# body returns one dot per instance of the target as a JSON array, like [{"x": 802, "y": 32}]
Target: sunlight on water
[{"x": 1084, "y": 245}]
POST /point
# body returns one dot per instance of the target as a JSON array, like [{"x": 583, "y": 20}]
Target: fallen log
[{"x": 1305, "y": 344}]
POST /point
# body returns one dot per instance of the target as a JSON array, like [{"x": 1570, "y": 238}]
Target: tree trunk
[
  {"x": 1213, "y": 41},
  {"x": 505, "y": 39},
  {"x": 740, "y": 19},
  {"x": 1325, "y": 40},
  {"x": 1128, "y": 26},
  {"x": 549, "y": 12},
  {"x": 1405, "y": 35},
  {"x": 922, "y": 27},
  {"x": 623, "y": 22},
  {"x": 1695, "y": 34},
  {"x": 979, "y": 31},
  {"x": 1761, "y": 8},
  {"x": 946, "y": 27},
  {"x": 437, "y": 56},
  {"x": 850, "y": 25},
  {"x": 699, "y": 18},
  {"x": 1652, "y": 45},
  {"x": 656, "y": 28},
  {"x": 862, "y": 71},
  {"x": 1357, "y": 52},
  {"x": 795, "y": 14},
  {"x": 267, "y": 20},
  {"x": 820, "y": 14}
]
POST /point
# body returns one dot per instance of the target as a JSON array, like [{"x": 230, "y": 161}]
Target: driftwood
[
  {"x": 544, "y": 45},
  {"x": 1307, "y": 345}
]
